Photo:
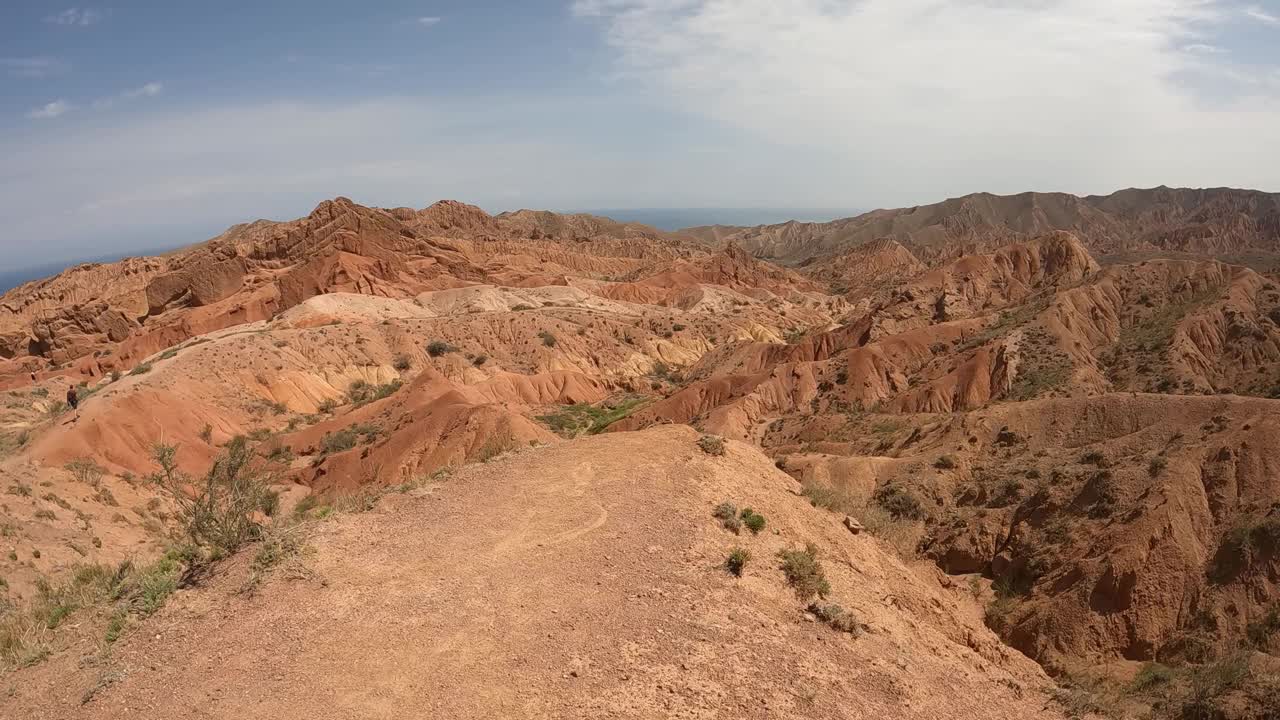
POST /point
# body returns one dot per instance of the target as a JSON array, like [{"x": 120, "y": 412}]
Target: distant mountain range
[
  {"x": 1240, "y": 225},
  {"x": 679, "y": 218}
]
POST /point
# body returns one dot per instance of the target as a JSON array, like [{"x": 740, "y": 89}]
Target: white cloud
[
  {"x": 1262, "y": 16},
  {"x": 50, "y": 110},
  {"x": 1204, "y": 49},
  {"x": 151, "y": 89},
  {"x": 427, "y": 21},
  {"x": 181, "y": 175},
  {"x": 32, "y": 67},
  {"x": 925, "y": 98},
  {"x": 75, "y": 16}
]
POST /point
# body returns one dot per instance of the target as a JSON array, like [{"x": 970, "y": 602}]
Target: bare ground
[{"x": 584, "y": 580}]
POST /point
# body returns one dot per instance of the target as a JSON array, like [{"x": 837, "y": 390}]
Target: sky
[{"x": 148, "y": 124}]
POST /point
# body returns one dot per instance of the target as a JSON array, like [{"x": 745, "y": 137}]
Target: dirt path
[{"x": 578, "y": 581}]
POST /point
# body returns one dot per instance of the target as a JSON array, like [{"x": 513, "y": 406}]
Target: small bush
[
  {"x": 1156, "y": 466},
  {"x": 217, "y": 511},
  {"x": 547, "y": 338},
  {"x": 1259, "y": 633},
  {"x": 278, "y": 452},
  {"x": 142, "y": 369},
  {"x": 339, "y": 441},
  {"x": 86, "y": 471},
  {"x": 1094, "y": 457},
  {"x": 900, "y": 502},
  {"x": 754, "y": 521},
  {"x": 836, "y": 616},
  {"x": 480, "y": 360},
  {"x": 711, "y": 445},
  {"x": 402, "y": 363},
  {"x": 946, "y": 462},
  {"x": 736, "y": 561},
  {"x": 1210, "y": 682},
  {"x": 328, "y": 405},
  {"x": 1242, "y": 544},
  {"x": 361, "y": 393},
  {"x": 804, "y": 573},
  {"x": 1153, "y": 675},
  {"x": 206, "y": 434},
  {"x": 521, "y": 307},
  {"x": 727, "y": 514},
  {"x": 438, "y": 348}
]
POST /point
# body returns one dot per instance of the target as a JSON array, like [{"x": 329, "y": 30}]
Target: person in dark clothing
[{"x": 73, "y": 400}]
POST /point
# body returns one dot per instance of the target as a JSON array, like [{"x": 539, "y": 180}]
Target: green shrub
[
  {"x": 835, "y": 616},
  {"x": 574, "y": 420},
  {"x": 142, "y": 369},
  {"x": 438, "y": 348},
  {"x": 754, "y": 521},
  {"x": 278, "y": 452},
  {"x": 1157, "y": 465},
  {"x": 216, "y": 512},
  {"x": 1093, "y": 457},
  {"x": 1153, "y": 675},
  {"x": 339, "y": 441},
  {"x": 1210, "y": 682},
  {"x": 736, "y": 561},
  {"x": 804, "y": 572},
  {"x": 711, "y": 445},
  {"x": 402, "y": 363},
  {"x": 115, "y": 627},
  {"x": 1242, "y": 544},
  {"x": 727, "y": 514},
  {"x": 1259, "y": 633},
  {"x": 900, "y": 502},
  {"x": 86, "y": 471},
  {"x": 206, "y": 434},
  {"x": 361, "y": 393},
  {"x": 547, "y": 338}
]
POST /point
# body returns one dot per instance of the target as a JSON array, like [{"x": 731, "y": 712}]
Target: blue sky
[{"x": 134, "y": 125}]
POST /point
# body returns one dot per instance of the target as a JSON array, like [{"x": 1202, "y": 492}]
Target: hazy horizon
[
  {"x": 667, "y": 219},
  {"x": 131, "y": 124}
]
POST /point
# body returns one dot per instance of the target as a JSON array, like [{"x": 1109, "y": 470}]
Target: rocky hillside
[
  {"x": 1026, "y": 435},
  {"x": 1220, "y": 222}
]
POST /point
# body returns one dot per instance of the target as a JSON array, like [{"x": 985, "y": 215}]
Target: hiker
[{"x": 73, "y": 400}]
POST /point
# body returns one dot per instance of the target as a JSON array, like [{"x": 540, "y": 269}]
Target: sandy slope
[{"x": 563, "y": 582}]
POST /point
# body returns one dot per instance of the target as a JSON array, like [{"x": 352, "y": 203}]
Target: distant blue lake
[{"x": 10, "y": 279}]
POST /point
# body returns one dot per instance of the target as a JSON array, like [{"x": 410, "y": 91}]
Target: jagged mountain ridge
[{"x": 1219, "y": 222}]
